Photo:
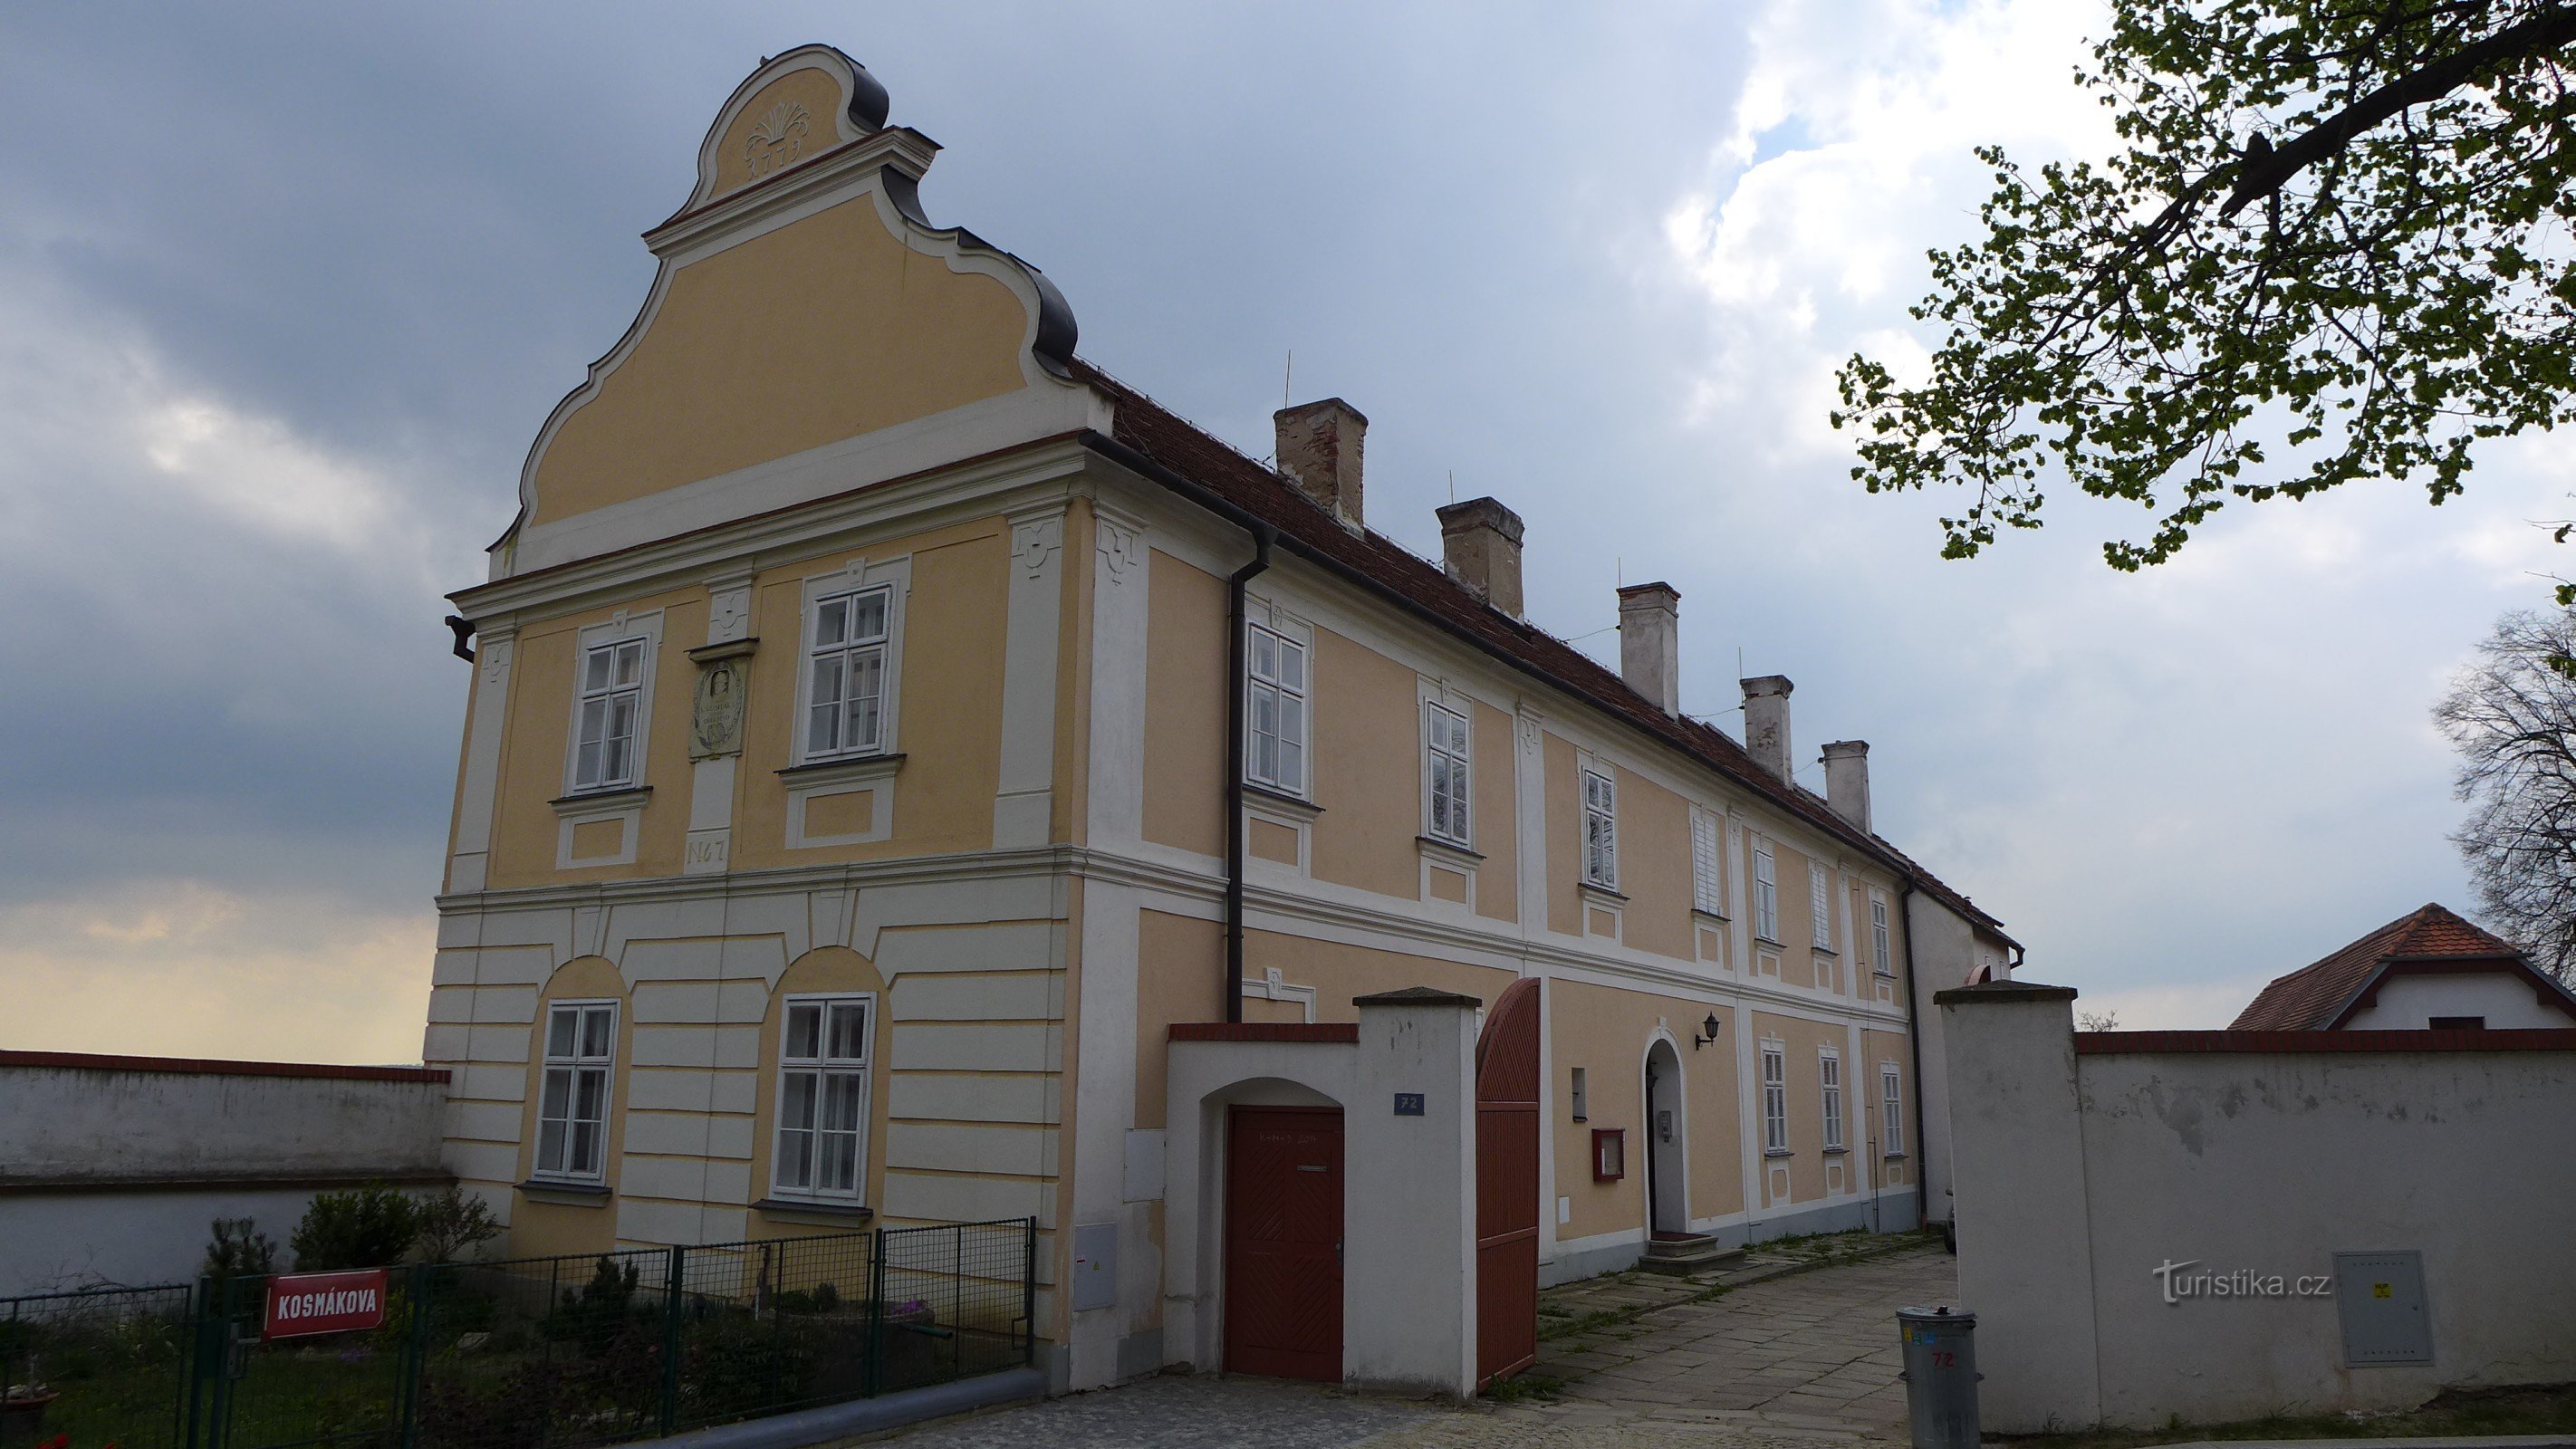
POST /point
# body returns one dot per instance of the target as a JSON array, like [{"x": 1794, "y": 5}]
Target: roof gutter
[{"x": 1146, "y": 467}]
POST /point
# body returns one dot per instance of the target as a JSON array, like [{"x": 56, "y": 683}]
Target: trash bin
[{"x": 1940, "y": 1376}]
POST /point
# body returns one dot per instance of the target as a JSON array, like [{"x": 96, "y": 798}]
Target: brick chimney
[
  {"x": 1480, "y": 546},
  {"x": 1766, "y": 722},
  {"x": 1847, "y": 781},
  {"x": 1319, "y": 446},
  {"x": 1650, "y": 643}
]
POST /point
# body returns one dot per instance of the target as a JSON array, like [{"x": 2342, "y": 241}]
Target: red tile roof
[
  {"x": 2310, "y": 998},
  {"x": 1162, "y": 436}
]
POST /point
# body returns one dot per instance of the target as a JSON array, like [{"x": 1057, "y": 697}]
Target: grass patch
[
  {"x": 1522, "y": 1388},
  {"x": 2524, "y": 1409}
]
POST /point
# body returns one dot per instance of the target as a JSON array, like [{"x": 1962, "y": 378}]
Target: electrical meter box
[{"x": 2380, "y": 1298}]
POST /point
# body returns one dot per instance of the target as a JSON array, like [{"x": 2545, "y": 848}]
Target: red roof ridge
[
  {"x": 1175, "y": 443},
  {"x": 2311, "y": 997}
]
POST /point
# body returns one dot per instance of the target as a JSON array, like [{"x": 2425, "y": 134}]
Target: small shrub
[
  {"x": 450, "y": 1224},
  {"x": 239, "y": 1249},
  {"x": 592, "y": 1315},
  {"x": 370, "y": 1227}
]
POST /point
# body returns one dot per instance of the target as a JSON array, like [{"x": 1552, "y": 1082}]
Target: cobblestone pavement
[
  {"x": 1183, "y": 1413},
  {"x": 1741, "y": 1360}
]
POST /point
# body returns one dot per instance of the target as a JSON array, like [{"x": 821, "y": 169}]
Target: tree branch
[{"x": 2266, "y": 169}]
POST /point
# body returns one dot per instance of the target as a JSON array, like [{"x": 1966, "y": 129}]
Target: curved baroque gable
[{"x": 802, "y": 300}]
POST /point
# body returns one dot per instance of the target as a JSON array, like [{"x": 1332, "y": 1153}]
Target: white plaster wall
[
  {"x": 1943, "y": 947},
  {"x": 2273, "y": 1163},
  {"x": 2079, "y": 1176},
  {"x": 55, "y": 1241},
  {"x": 1410, "y": 1186},
  {"x": 2409, "y": 1003},
  {"x": 104, "y": 1124}
]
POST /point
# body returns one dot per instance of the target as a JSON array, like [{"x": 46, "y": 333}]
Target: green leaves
[{"x": 2398, "y": 298}]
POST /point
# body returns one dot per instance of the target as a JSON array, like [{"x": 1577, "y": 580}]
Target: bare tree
[{"x": 2512, "y": 717}]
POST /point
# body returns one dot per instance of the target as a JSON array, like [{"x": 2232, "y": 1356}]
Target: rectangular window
[
  {"x": 1775, "y": 1097},
  {"x": 1444, "y": 767},
  {"x": 1581, "y": 1109},
  {"x": 612, "y": 698},
  {"x": 1820, "y": 906},
  {"x": 1830, "y": 1068},
  {"x": 1600, "y": 830},
  {"x": 823, "y": 1096},
  {"x": 1766, "y": 892},
  {"x": 1708, "y": 865},
  {"x": 1275, "y": 711},
  {"x": 572, "y": 1101},
  {"x": 1881, "y": 960},
  {"x": 1891, "y": 1107},
  {"x": 846, "y": 674}
]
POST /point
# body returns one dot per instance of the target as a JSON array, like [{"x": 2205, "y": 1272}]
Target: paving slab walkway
[
  {"x": 1817, "y": 1346},
  {"x": 1796, "y": 1349}
]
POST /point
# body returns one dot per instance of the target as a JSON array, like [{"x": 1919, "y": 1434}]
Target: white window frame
[
  {"x": 1829, "y": 1081},
  {"x": 1708, "y": 863},
  {"x": 1766, "y": 893},
  {"x": 892, "y": 579},
  {"x": 846, "y": 657},
  {"x": 825, "y": 1067},
  {"x": 1448, "y": 755},
  {"x": 1600, "y": 810},
  {"x": 1290, "y": 699},
  {"x": 1775, "y": 1099},
  {"x": 573, "y": 1064},
  {"x": 1882, "y": 958},
  {"x": 643, "y": 631},
  {"x": 1891, "y": 1108},
  {"x": 1820, "y": 905}
]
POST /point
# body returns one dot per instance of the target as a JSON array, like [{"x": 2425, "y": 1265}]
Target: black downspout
[
  {"x": 1914, "y": 1060},
  {"x": 1235, "y": 583}
]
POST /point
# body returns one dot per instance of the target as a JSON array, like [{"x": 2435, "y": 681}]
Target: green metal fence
[{"x": 529, "y": 1353}]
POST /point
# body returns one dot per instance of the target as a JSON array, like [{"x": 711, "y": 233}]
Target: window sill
[
  {"x": 1824, "y": 950},
  {"x": 1884, "y": 975},
  {"x": 1607, "y": 893},
  {"x": 1706, "y": 916},
  {"x": 1269, "y": 797},
  {"x": 583, "y": 802},
  {"x": 567, "y": 1194},
  {"x": 1779, "y": 1152},
  {"x": 1837, "y": 1151},
  {"x": 1450, "y": 850},
  {"x": 792, "y": 1209},
  {"x": 1762, "y": 940},
  {"x": 1895, "y": 1157},
  {"x": 853, "y": 770}
]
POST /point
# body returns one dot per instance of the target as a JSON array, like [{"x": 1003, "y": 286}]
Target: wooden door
[
  {"x": 1507, "y": 1185},
  {"x": 1283, "y": 1242}
]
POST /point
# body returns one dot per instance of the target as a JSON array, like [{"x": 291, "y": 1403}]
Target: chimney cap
[
  {"x": 1640, "y": 593},
  {"x": 1488, "y": 511},
  {"x": 1318, "y": 405},
  {"x": 1767, "y": 684},
  {"x": 1846, "y": 747}
]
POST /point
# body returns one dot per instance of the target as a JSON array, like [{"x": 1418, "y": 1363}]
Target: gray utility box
[
  {"x": 2380, "y": 1298},
  {"x": 1940, "y": 1376}
]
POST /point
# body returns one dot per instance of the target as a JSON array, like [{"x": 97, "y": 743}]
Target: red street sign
[{"x": 302, "y": 1304}]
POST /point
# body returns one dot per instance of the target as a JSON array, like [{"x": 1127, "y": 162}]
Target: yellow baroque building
[{"x": 886, "y": 729}]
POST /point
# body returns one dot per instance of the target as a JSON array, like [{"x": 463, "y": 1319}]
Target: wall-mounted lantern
[{"x": 1708, "y": 1032}]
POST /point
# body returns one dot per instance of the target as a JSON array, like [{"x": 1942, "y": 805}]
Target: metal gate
[{"x": 1507, "y": 1185}]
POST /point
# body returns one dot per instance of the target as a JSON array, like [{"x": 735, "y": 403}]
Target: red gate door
[
  {"x": 1507, "y": 1186},
  {"x": 1283, "y": 1242}
]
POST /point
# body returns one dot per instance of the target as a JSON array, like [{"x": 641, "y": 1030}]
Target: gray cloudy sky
[{"x": 286, "y": 290}]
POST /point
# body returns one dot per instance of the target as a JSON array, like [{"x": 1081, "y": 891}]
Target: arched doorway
[{"x": 1667, "y": 1145}]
